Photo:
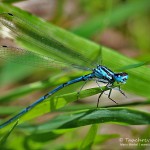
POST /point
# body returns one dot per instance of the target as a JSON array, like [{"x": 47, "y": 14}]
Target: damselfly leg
[
  {"x": 51, "y": 49},
  {"x": 78, "y": 93},
  {"x": 119, "y": 88},
  {"x": 108, "y": 97}
]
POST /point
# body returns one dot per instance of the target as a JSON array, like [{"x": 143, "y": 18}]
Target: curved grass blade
[
  {"x": 35, "y": 86},
  {"x": 132, "y": 66},
  {"x": 8, "y": 110},
  {"x": 90, "y": 137},
  {"x": 134, "y": 75},
  {"x": 13, "y": 72},
  {"x": 44, "y": 43},
  {"x": 120, "y": 115},
  {"x": 138, "y": 77},
  {"x": 51, "y": 104},
  {"x": 44, "y": 137},
  {"x": 4, "y": 138}
]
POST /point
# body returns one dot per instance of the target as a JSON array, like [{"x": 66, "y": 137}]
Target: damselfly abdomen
[{"x": 59, "y": 53}]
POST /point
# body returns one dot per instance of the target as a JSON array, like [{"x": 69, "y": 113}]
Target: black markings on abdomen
[{"x": 10, "y": 14}]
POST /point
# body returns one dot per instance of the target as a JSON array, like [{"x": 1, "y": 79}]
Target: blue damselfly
[{"x": 99, "y": 74}]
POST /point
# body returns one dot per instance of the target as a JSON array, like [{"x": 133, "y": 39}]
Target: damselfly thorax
[{"x": 59, "y": 52}]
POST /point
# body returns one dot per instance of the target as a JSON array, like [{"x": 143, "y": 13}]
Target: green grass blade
[
  {"x": 118, "y": 115},
  {"x": 138, "y": 77},
  {"x": 8, "y": 110},
  {"x": 53, "y": 103},
  {"x": 4, "y": 138},
  {"x": 54, "y": 80},
  {"x": 44, "y": 137},
  {"x": 117, "y": 16},
  {"x": 18, "y": 72},
  {"x": 11, "y": 1},
  {"x": 47, "y": 44},
  {"x": 133, "y": 66},
  {"x": 90, "y": 137}
]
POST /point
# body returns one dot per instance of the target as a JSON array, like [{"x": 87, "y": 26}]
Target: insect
[{"x": 99, "y": 74}]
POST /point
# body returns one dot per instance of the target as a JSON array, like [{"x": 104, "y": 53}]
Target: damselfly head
[{"x": 121, "y": 77}]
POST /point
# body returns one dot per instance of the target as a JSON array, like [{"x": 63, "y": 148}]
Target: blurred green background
[{"x": 121, "y": 25}]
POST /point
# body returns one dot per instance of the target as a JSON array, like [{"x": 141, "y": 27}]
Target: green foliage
[
  {"x": 118, "y": 115},
  {"x": 109, "y": 19},
  {"x": 89, "y": 139},
  {"x": 4, "y": 138},
  {"x": 39, "y": 38}
]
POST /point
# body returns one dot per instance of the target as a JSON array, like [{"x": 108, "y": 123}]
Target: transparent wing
[
  {"x": 98, "y": 58},
  {"x": 44, "y": 43},
  {"x": 18, "y": 55}
]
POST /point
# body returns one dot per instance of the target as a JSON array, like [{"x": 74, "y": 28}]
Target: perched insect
[{"x": 99, "y": 74}]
